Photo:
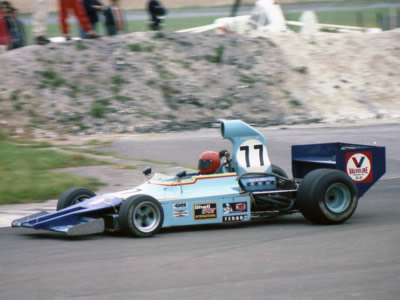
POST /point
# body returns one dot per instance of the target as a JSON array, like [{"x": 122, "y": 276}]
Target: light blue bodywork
[{"x": 179, "y": 197}]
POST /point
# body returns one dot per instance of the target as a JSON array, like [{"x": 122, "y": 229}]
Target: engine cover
[{"x": 256, "y": 182}]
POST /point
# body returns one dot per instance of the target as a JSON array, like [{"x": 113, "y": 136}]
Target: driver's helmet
[{"x": 209, "y": 162}]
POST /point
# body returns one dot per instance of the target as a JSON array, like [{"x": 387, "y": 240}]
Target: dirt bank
[{"x": 154, "y": 82}]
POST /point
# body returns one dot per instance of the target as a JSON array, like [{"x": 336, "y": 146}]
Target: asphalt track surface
[{"x": 282, "y": 258}]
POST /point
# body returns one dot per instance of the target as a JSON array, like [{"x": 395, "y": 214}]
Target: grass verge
[{"x": 26, "y": 176}]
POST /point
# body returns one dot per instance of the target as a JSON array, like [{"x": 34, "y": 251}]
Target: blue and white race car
[{"x": 328, "y": 181}]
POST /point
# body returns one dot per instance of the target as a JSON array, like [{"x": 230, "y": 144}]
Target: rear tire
[
  {"x": 74, "y": 195},
  {"x": 327, "y": 196},
  {"x": 141, "y": 216}
]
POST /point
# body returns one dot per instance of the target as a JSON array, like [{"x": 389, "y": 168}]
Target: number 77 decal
[{"x": 247, "y": 154}]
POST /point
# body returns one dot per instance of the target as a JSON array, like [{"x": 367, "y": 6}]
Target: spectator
[
  {"x": 157, "y": 13},
  {"x": 16, "y": 30},
  {"x": 91, "y": 8},
  {"x": 4, "y": 36},
  {"x": 114, "y": 19},
  {"x": 79, "y": 11},
  {"x": 39, "y": 20}
]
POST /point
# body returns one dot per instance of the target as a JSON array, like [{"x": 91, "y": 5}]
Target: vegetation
[
  {"x": 217, "y": 58},
  {"x": 73, "y": 90},
  {"x": 247, "y": 79},
  {"x": 139, "y": 48},
  {"x": 117, "y": 80},
  {"x": 15, "y": 95},
  {"x": 26, "y": 176},
  {"x": 162, "y": 35},
  {"x": 164, "y": 72},
  {"x": 295, "y": 102},
  {"x": 51, "y": 78},
  {"x": 99, "y": 108},
  {"x": 168, "y": 93},
  {"x": 122, "y": 98},
  {"x": 302, "y": 69},
  {"x": 80, "y": 46}
]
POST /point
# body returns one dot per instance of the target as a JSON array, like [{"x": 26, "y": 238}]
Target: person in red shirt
[
  {"x": 77, "y": 7},
  {"x": 4, "y": 35}
]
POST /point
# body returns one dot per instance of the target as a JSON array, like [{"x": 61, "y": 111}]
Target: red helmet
[{"x": 209, "y": 162}]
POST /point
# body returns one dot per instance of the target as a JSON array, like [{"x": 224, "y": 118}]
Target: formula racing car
[{"x": 328, "y": 180}]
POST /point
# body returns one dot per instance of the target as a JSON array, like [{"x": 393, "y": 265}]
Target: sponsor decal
[
  {"x": 359, "y": 167},
  {"x": 205, "y": 211},
  {"x": 180, "y": 205},
  {"x": 231, "y": 219},
  {"x": 180, "y": 213},
  {"x": 180, "y": 209},
  {"x": 234, "y": 207}
]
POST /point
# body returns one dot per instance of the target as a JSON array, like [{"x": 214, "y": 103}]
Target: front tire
[
  {"x": 74, "y": 195},
  {"x": 141, "y": 216},
  {"x": 327, "y": 196}
]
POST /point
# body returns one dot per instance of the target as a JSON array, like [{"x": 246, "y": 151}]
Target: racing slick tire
[
  {"x": 278, "y": 171},
  {"x": 327, "y": 196},
  {"x": 74, "y": 195},
  {"x": 141, "y": 216}
]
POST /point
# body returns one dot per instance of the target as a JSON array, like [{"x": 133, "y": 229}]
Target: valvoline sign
[{"x": 359, "y": 166}]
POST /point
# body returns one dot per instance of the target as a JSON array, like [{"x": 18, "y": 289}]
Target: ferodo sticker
[
  {"x": 205, "y": 211},
  {"x": 232, "y": 219},
  {"x": 359, "y": 166}
]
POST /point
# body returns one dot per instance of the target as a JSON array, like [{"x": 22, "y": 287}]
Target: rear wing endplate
[{"x": 364, "y": 164}]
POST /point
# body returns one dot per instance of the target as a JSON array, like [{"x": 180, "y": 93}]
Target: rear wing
[{"x": 364, "y": 164}]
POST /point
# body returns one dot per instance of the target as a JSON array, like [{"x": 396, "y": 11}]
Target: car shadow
[
  {"x": 273, "y": 222},
  {"x": 270, "y": 222}
]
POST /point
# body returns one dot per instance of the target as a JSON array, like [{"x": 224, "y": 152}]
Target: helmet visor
[{"x": 204, "y": 164}]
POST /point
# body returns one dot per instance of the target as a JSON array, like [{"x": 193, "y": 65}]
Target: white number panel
[{"x": 252, "y": 156}]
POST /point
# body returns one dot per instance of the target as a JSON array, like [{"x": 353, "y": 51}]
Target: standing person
[
  {"x": 79, "y": 11},
  {"x": 157, "y": 13},
  {"x": 91, "y": 8},
  {"x": 4, "y": 36},
  {"x": 39, "y": 21},
  {"x": 16, "y": 30},
  {"x": 114, "y": 19}
]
